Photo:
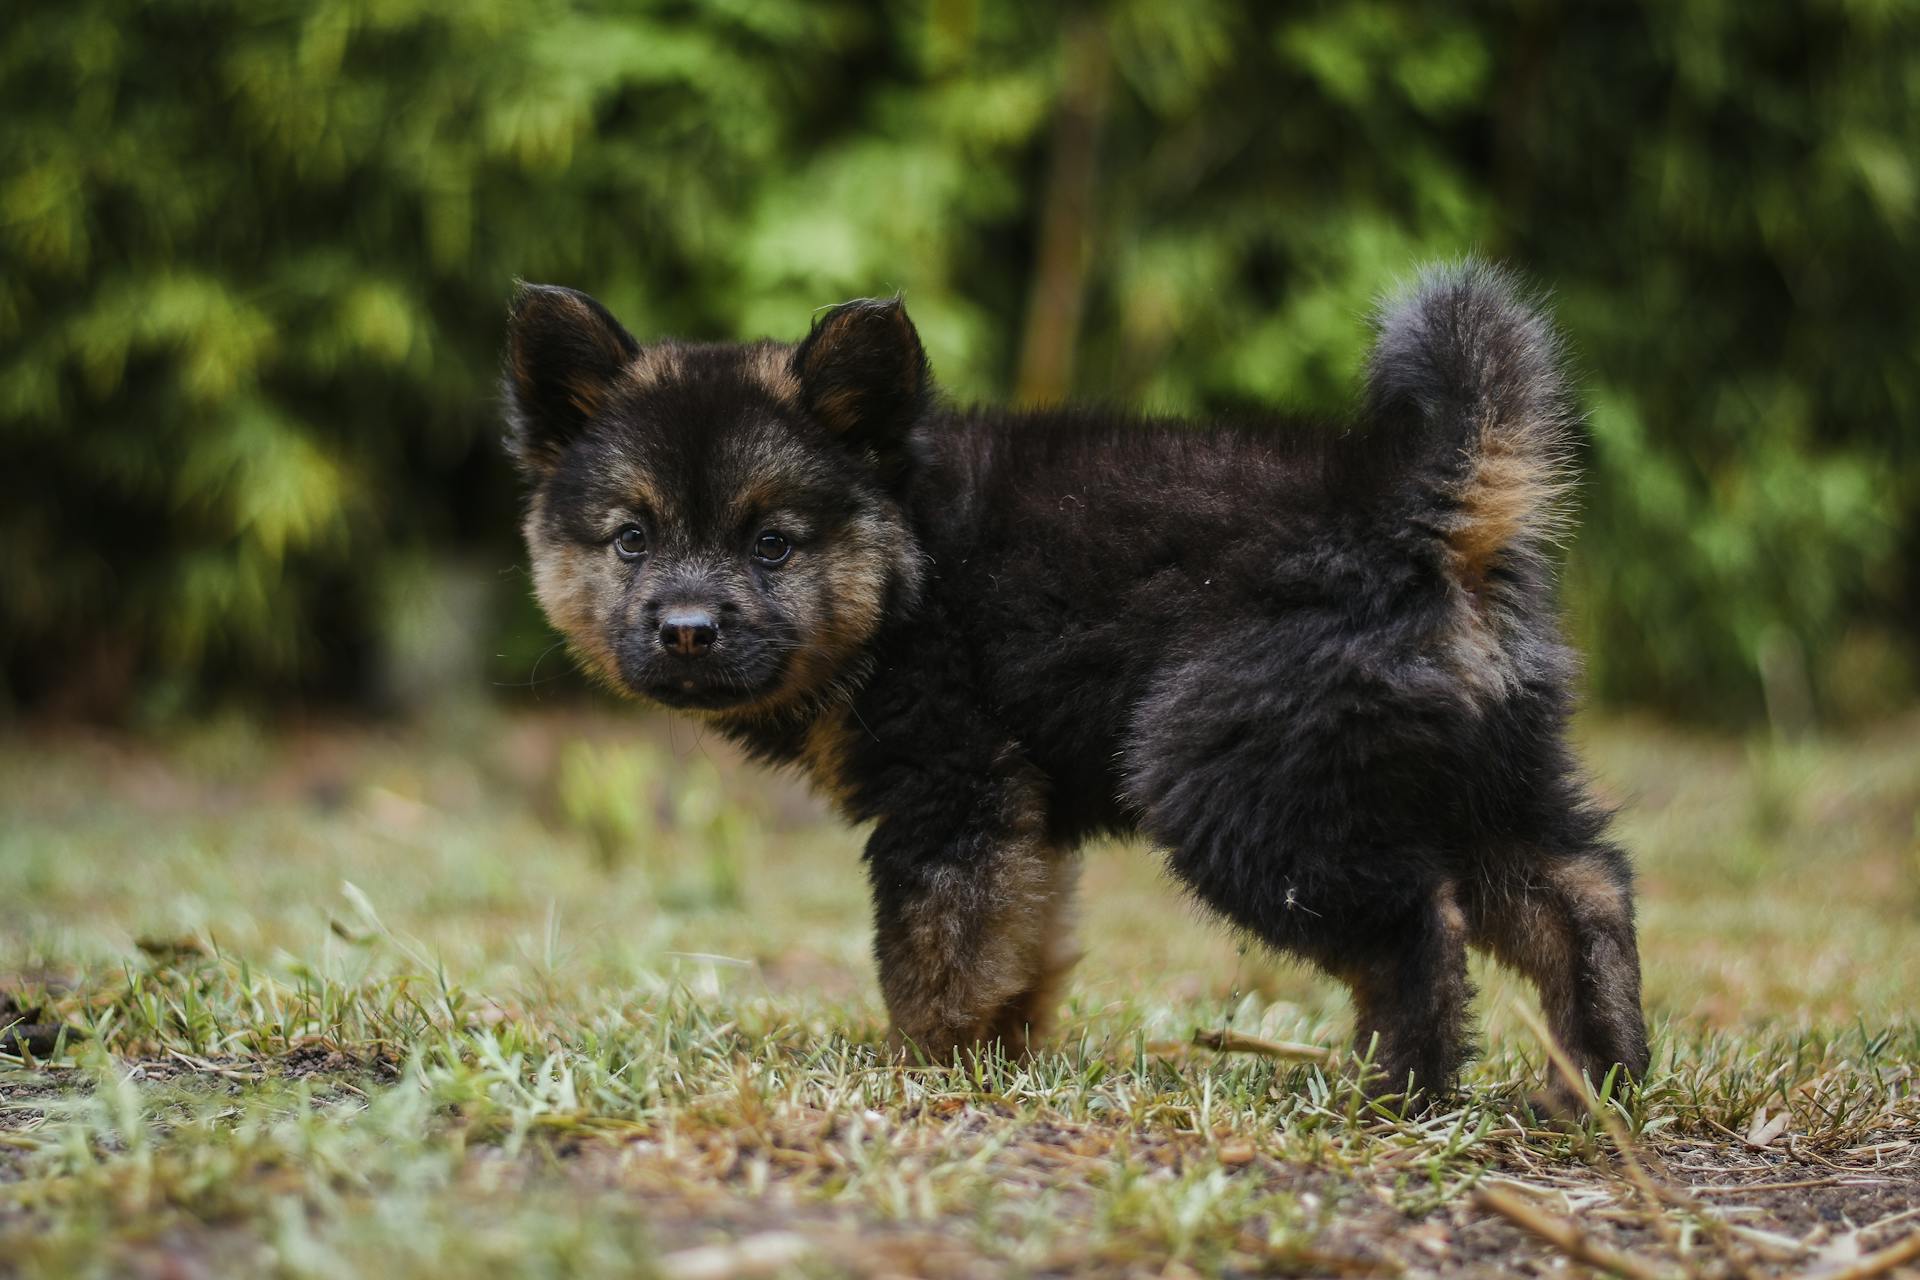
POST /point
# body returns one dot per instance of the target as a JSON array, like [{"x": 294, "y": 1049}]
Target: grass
[{"x": 564, "y": 995}]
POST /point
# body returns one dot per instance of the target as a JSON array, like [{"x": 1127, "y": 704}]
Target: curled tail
[{"x": 1468, "y": 407}]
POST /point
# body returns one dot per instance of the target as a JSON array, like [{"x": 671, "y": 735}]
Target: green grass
[{"x": 579, "y": 996}]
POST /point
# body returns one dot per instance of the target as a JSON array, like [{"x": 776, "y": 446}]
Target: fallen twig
[
  {"x": 215, "y": 1068},
  {"x": 1224, "y": 1041},
  {"x": 1565, "y": 1236}
]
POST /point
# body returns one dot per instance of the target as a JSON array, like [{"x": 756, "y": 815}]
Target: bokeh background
[
  {"x": 296, "y": 787},
  {"x": 255, "y": 256}
]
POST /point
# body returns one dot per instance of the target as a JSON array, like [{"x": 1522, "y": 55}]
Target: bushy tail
[{"x": 1468, "y": 407}]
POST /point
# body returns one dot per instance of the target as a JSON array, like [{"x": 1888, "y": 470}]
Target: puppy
[{"x": 1317, "y": 664}]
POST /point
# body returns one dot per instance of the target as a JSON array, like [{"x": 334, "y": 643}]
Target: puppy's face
[{"x": 710, "y": 526}]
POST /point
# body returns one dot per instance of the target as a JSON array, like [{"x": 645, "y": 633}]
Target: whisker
[{"x": 533, "y": 680}]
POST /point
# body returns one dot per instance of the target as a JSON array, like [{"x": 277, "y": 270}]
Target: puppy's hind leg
[
  {"x": 1566, "y": 922},
  {"x": 1400, "y": 947},
  {"x": 1255, "y": 792},
  {"x": 1410, "y": 995}
]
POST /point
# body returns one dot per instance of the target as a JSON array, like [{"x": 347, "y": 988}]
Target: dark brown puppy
[{"x": 1318, "y": 664}]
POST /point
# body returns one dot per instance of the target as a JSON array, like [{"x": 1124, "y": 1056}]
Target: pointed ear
[
  {"x": 563, "y": 353},
  {"x": 863, "y": 374}
]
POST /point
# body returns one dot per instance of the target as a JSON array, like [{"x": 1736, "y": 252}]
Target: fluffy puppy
[{"x": 1317, "y": 664}]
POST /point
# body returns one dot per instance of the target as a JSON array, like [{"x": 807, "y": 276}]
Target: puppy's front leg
[{"x": 971, "y": 928}]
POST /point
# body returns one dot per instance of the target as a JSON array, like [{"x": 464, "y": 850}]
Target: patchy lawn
[{"x": 571, "y": 995}]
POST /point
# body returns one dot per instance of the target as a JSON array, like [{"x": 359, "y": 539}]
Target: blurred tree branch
[{"x": 1058, "y": 293}]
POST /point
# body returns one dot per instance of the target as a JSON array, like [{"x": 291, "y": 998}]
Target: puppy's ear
[
  {"x": 863, "y": 374},
  {"x": 563, "y": 353}
]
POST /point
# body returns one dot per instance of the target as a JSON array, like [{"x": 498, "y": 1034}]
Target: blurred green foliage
[
  {"x": 254, "y": 258},
  {"x": 672, "y": 821}
]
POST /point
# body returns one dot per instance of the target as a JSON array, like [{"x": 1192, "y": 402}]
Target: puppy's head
[{"x": 711, "y": 526}]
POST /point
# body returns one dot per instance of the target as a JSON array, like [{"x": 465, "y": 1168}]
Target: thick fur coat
[{"x": 1318, "y": 664}]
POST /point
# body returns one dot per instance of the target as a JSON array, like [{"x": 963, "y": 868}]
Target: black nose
[{"x": 688, "y": 632}]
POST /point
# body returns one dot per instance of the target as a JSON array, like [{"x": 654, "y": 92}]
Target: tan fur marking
[
  {"x": 763, "y": 494},
  {"x": 837, "y": 409},
  {"x": 1453, "y": 919},
  {"x": 638, "y": 485},
  {"x": 657, "y": 363},
  {"x": 1503, "y": 491},
  {"x": 1531, "y": 933},
  {"x": 1511, "y": 501},
  {"x": 584, "y": 397},
  {"x": 1026, "y": 1020},
  {"x": 850, "y": 621},
  {"x": 1536, "y": 930},
  {"x": 1510, "y": 505},
  {"x": 1591, "y": 889},
  {"x": 759, "y": 498},
  {"x": 771, "y": 365},
  {"x": 823, "y": 754},
  {"x": 573, "y": 594}
]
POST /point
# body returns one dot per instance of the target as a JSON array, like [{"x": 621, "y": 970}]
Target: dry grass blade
[
  {"x": 215, "y": 1068},
  {"x": 1575, "y": 1081},
  {"x": 1891, "y": 1220},
  {"x": 1879, "y": 1262},
  {"x": 1740, "y": 1257},
  {"x": 1565, "y": 1236},
  {"x": 1224, "y": 1041}
]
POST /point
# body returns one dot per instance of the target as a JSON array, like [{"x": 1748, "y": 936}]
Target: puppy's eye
[
  {"x": 631, "y": 542},
  {"x": 771, "y": 547}
]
